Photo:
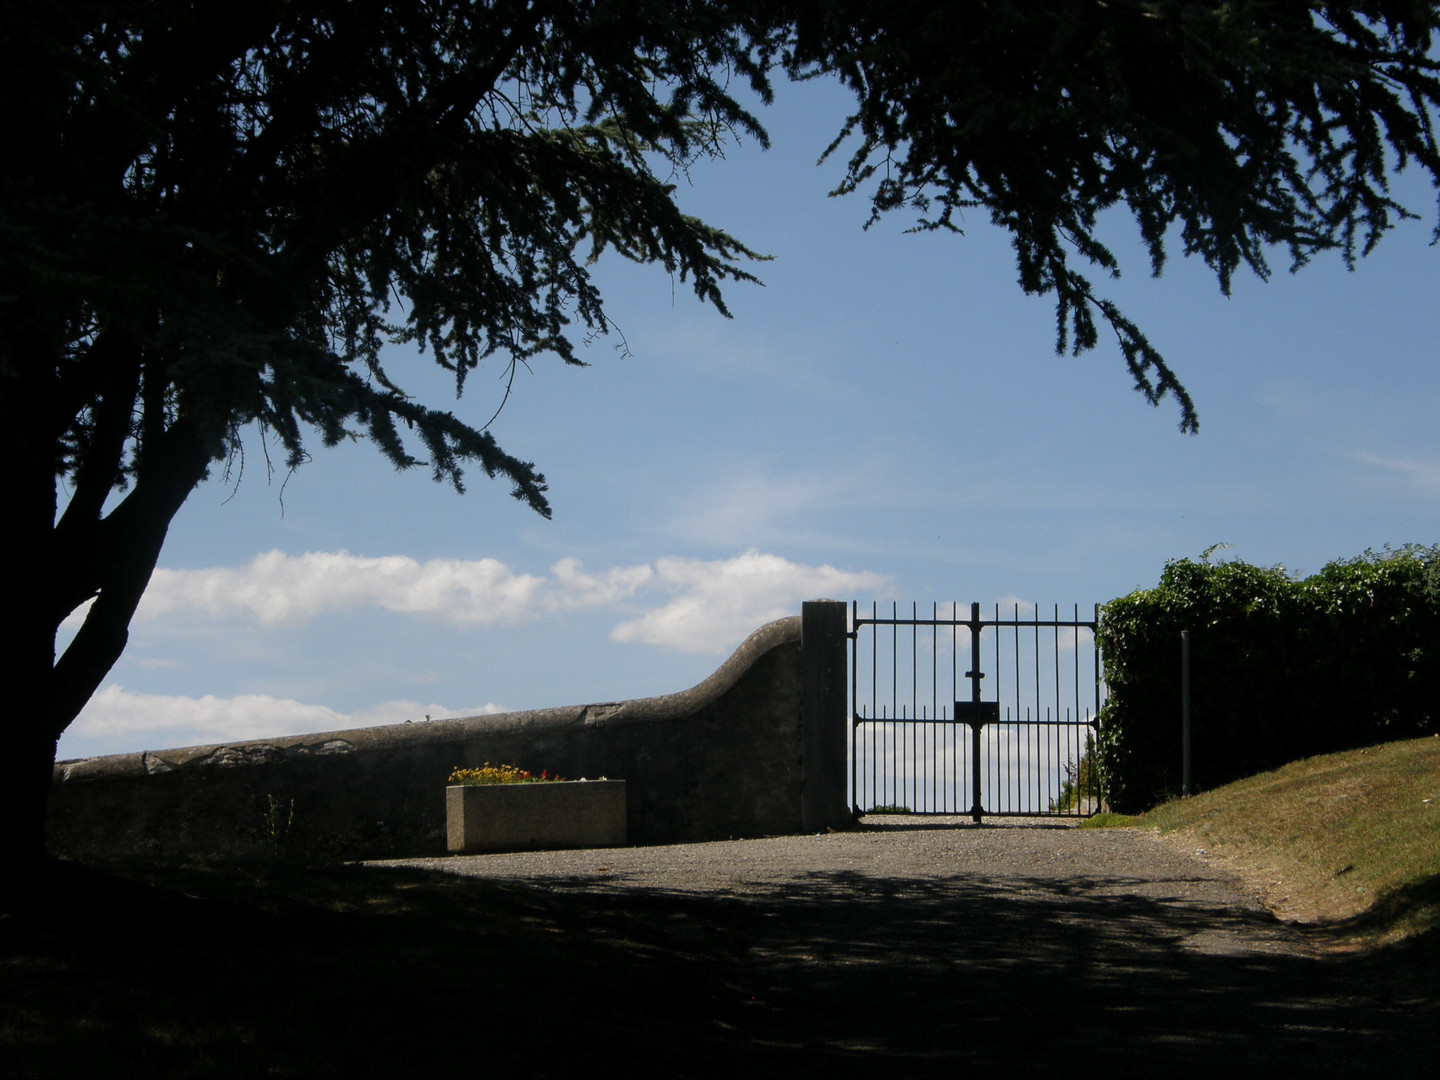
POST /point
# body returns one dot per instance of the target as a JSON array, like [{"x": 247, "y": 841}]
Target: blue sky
[{"x": 886, "y": 418}]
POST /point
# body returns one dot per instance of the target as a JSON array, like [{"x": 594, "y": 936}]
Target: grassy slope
[{"x": 1350, "y": 841}]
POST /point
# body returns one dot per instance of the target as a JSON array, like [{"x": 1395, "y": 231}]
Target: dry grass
[{"x": 1349, "y": 842}]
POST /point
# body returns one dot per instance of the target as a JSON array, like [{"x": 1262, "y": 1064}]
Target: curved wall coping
[{"x": 391, "y": 736}]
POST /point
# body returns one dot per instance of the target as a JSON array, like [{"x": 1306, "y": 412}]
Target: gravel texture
[
  {"x": 1012, "y": 944},
  {"x": 1198, "y": 905}
]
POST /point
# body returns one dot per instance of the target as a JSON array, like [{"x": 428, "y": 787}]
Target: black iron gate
[{"x": 930, "y": 736}]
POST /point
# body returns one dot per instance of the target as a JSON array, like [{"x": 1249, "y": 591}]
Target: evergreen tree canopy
[
  {"x": 1227, "y": 128},
  {"x": 214, "y": 216}
]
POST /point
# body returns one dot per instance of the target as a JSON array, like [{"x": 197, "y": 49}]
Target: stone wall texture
[{"x": 720, "y": 760}]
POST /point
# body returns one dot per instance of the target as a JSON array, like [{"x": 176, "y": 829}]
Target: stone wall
[{"x": 723, "y": 759}]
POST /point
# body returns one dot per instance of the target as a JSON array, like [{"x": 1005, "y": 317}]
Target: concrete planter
[{"x": 514, "y": 817}]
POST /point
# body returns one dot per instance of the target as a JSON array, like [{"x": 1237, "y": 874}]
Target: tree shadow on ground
[{"x": 361, "y": 971}]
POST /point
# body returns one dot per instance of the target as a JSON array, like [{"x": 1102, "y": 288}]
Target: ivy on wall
[{"x": 1281, "y": 667}]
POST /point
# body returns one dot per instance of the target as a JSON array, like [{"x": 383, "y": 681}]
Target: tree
[
  {"x": 215, "y": 215},
  {"x": 212, "y": 217},
  {"x": 1232, "y": 128}
]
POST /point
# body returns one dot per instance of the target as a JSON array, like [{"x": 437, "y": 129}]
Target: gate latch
[{"x": 977, "y": 714}]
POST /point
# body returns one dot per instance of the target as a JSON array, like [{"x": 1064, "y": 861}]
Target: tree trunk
[
  {"x": 26, "y": 768},
  {"x": 27, "y": 722}
]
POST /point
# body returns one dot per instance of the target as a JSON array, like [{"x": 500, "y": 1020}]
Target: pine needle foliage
[
  {"x": 215, "y": 217},
  {"x": 1230, "y": 131}
]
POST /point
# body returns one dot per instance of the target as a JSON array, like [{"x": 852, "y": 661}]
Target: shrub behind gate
[{"x": 1281, "y": 668}]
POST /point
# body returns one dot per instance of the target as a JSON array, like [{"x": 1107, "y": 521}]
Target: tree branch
[{"x": 130, "y": 539}]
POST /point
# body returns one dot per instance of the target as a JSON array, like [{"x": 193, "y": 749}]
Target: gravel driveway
[
  {"x": 1028, "y": 944},
  {"x": 1019, "y": 860}
]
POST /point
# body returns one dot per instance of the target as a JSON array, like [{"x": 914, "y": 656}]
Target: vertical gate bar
[
  {"x": 976, "y": 806},
  {"x": 987, "y": 766},
  {"x": 996, "y": 744},
  {"x": 1038, "y": 729},
  {"x": 935, "y": 703},
  {"x": 1003, "y": 746},
  {"x": 999, "y": 749},
  {"x": 1056, "y": 734},
  {"x": 897, "y": 729},
  {"x": 987, "y": 741},
  {"x": 1004, "y": 732},
  {"x": 894, "y": 701},
  {"x": 1079, "y": 740},
  {"x": 1074, "y": 739},
  {"x": 1080, "y": 795},
  {"x": 1027, "y": 736},
  {"x": 1031, "y": 749},
  {"x": 1017, "y": 732},
  {"x": 902, "y": 730},
  {"x": 935, "y": 729},
  {"x": 1080, "y": 772},
  {"x": 1048, "y": 733},
  {"x": 878, "y": 731},
  {"x": 923, "y": 739},
  {"x": 874, "y": 692},
  {"x": 914, "y": 800},
  {"x": 992, "y": 749},
  {"x": 1075, "y": 618},
  {"x": 1095, "y": 723},
  {"x": 1079, "y": 748},
  {"x": 1059, "y": 731},
  {"x": 854, "y": 708},
  {"x": 1095, "y": 671},
  {"x": 956, "y": 746},
  {"x": 886, "y": 732}
]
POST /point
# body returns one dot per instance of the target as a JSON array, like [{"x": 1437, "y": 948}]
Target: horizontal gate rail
[{"x": 928, "y": 738}]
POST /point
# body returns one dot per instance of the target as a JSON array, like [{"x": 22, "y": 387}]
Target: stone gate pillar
[{"x": 824, "y": 664}]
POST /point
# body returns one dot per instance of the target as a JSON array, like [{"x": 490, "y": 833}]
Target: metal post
[
  {"x": 975, "y": 675},
  {"x": 1184, "y": 712},
  {"x": 854, "y": 710}
]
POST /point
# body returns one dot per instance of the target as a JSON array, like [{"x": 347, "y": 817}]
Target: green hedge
[{"x": 1280, "y": 668}]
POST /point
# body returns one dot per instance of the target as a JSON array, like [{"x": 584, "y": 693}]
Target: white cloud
[
  {"x": 276, "y": 588},
  {"x": 115, "y": 713},
  {"x": 577, "y": 589},
  {"x": 1423, "y": 474},
  {"x": 279, "y": 588},
  {"x": 718, "y": 602},
  {"x": 712, "y": 605}
]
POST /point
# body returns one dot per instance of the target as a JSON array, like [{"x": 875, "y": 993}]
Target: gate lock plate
[{"x": 977, "y": 714}]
